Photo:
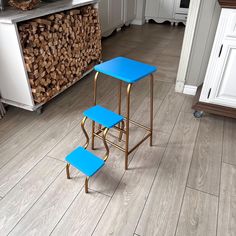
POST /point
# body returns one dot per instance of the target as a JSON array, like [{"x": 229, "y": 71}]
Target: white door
[
  {"x": 129, "y": 10},
  {"x": 223, "y": 91}
]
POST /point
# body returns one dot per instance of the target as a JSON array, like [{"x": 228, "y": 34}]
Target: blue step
[
  {"x": 85, "y": 161},
  {"x": 103, "y": 116},
  {"x": 125, "y": 69}
]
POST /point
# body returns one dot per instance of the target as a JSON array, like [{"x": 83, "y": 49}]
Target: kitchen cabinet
[
  {"x": 116, "y": 13},
  {"x": 219, "y": 86},
  {"x": 165, "y": 10},
  {"x": 111, "y": 15},
  {"x": 129, "y": 11}
]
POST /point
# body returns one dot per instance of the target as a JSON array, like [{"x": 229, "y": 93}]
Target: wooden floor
[{"x": 184, "y": 185}]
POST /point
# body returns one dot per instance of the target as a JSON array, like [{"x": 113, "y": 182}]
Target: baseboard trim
[
  {"x": 190, "y": 90},
  {"x": 138, "y": 22}
]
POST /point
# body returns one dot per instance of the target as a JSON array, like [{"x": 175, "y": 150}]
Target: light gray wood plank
[
  {"x": 13, "y": 122},
  {"x": 227, "y": 202},
  {"x": 15, "y": 169},
  {"x": 160, "y": 215},
  {"x": 188, "y": 102},
  {"x": 198, "y": 215},
  {"x": 229, "y": 147},
  {"x": 83, "y": 214},
  {"x": 49, "y": 209},
  {"x": 168, "y": 113},
  {"x": 205, "y": 168},
  {"x": 22, "y": 197},
  {"x": 124, "y": 210}
]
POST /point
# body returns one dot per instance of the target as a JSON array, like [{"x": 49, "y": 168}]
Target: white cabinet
[
  {"x": 220, "y": 82},
  {"x": 164, "y": 10},
  {"x": 111, "y": 15},
  {"x": 129, "y": 10}
]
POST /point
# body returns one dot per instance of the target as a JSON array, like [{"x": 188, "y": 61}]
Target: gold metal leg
[
  {"x": 151, "y": 108},
  {"x": 119, "y": 105},
  {"x": 85, "y": 133},
  {"x": 94, "y": 102},
  {"x": 86, "y": 184},
  {"x": 121, "y": 132},
  {"x": 68, "y": 171},
  {"x": 127, "y": 125}
]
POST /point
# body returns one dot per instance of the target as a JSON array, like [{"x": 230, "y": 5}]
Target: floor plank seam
[
  {"x": 40, "y": 160},
  {"x": 222, "y": 152},
  {"x": 113, "y": 194},
  {"x": 54, "y": 158},
  {"x": 104, "y": 194},
  {"x": 156, "y": 173},
  {"x": 67, "y": 210},
  {"x": 23, "y": 128},
  {"x": 211, "y": 194},
  {"x": 186, "y": 184},
  {"x": 129, "y": 164},
  {"x": 23, "y": 176},
  {"x": 36, "y": 200}
]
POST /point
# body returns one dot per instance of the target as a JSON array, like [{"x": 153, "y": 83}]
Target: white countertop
[{"x": 11, "y": 15}]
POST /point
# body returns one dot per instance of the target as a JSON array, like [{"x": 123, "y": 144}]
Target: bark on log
[{"x": 58, "y": 49}]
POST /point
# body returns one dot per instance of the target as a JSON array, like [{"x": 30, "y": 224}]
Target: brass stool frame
[
  {"x": 104, "y": 134},
  {"x": 127, "y": 122}
]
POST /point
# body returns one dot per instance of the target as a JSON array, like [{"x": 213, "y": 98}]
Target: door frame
[{"x": 193, "y": 14}]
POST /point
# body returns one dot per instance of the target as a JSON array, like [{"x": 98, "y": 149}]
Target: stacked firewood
[{"x": 58, "y": 49}]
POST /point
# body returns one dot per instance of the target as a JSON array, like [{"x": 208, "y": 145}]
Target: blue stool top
[
  {"x": 85, "y": 161},
  {"x": 125, "y": 69},
  {"x": 103, "y": 116}
]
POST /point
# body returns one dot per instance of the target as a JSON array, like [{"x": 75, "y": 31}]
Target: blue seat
[
  {"x": 85, "y": 161},
  {"x": 125, "y": 69},
  {"x": 103, "y": 116}
]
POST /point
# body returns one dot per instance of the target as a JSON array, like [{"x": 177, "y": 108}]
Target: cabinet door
[
  {"x": 166, "y": 9},
  {"x": 152, "y": 8},
  {"x": 129, "y": 10},
  {"x": 115, "y": 13},
  {"x": 104, "y": 14},
  {"x": 223, "y": 91}
]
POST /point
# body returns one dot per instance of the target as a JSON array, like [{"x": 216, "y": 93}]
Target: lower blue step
[{"x": 85, "y": 161}]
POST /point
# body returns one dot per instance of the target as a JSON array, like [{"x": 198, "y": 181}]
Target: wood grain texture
[
  {"x": 124, "y": 210},
  {"x": 15, "y": 205},
  {"x": 168, "y": 113},
  {"x": 83, "y": 215},
  {"x": 16, "y": 169},
  {"x": 205, "y": 168},
  {"x": 227, "y": 204},
  {"x": 198, "y": 215},
  {"x": 188, "y": 103},
  {"x": 16, "y": 143},
  {"x": 229, "y": 147},
  {"x": 161, "y": 212},
  {"x": 47, "y": 212},
  {"x": 227, "y": 3}
]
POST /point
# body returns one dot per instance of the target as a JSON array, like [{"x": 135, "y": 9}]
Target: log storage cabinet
[{"x": 46, "y": 50}]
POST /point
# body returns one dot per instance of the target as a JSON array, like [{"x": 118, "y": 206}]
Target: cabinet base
[
  {"x": 212, "y": 108},
  {"x": 162, "y": 20}
]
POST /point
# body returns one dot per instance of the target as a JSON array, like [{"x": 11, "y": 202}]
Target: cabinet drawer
[
  {"x": 181, "y": 17},
  {"x": 231, "y": 26}
]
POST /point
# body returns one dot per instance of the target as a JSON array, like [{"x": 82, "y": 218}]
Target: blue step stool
[
  {"x": 127, "y": 71},
  {"x": 83, "y": 160}
]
